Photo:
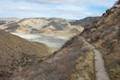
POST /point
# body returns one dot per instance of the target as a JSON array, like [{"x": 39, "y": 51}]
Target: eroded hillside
[{"x": 53, "y": 32}]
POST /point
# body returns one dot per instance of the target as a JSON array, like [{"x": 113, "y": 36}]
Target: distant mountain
[
  {"x": 86, "y": 22},
  {"x": 9, "y": 19},
  {"x": 8, "y": 23},
  {"x": 36, "y": 25},
  {"x": 41, "y": 24},
  {"x": 10, "y": 27},
  {"x": 2, "y": 22}
]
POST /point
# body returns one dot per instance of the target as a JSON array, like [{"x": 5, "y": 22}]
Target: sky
[{"x": 68, "y": 9}]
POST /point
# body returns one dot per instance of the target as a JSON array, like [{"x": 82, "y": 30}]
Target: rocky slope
[{"x": 105, "y": 35}]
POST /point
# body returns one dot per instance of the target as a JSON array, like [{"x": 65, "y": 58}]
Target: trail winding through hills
[{"x": 74, "y": 61}]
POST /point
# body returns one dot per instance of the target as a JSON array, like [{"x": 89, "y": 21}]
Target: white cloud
[{"x": 54, "y": 8}]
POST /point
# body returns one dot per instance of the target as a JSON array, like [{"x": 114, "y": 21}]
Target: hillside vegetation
[
  {"x": 93, "y": 54},
  {"x": 105, "y": 35},
  {"x": 16, "y": 53}
]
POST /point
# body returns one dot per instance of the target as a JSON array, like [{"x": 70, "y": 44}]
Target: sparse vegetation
[
  {"x": 108, "y": 41},
  {"x": 76, "y": 60}
]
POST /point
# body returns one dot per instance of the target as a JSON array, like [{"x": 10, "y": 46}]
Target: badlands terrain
[
  {"x": 53, "y": 32},
  {"x": 58, "y": 49}
]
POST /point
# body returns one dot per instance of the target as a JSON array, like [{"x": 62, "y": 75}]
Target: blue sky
[{"x": 69, "y": 9}]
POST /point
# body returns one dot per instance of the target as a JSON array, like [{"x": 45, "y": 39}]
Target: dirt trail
[
  {"x": 100, "y": 70},
  {"x": 101, "y": 73}
]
